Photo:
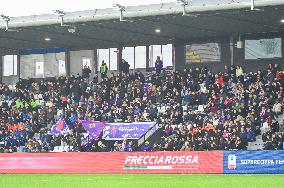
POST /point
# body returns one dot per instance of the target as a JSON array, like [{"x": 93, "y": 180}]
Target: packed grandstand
[{"x": 196, "y": 110}]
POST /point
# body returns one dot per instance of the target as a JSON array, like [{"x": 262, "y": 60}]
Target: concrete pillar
[
  {"x": 96, "y": 63},
  {"x": 18, "y": 67},
  {"x": 147, "y": 57},
  {"x": 109, "y": 60},
  {"x": 134, "y": 62},
  {"x": 1, "y": 68},
  {"x": 179, "y": 56},
  {"x": 173, "y": 58},
  {"x": 226, "y": 52},
  {"x": 151, "y": 56},
  {"x": 67, "y": 61},
  {"x": 232, "y": 50},
  {"x": 239, "y": 56},
  {"x": 119, "y": 58}
]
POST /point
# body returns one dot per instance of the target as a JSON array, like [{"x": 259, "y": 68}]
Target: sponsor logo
[
  {"x": 161, "y": 160},
  {"x": 232, "y": 162},
  {"x": 261, "y": 162}
]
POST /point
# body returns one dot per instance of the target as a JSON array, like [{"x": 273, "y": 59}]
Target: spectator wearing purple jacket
[
  {"x": 137, "y": 111},
  {"x": 146, "y": 147},
  {"x": 129, "y": 147},
  {"x": 117, "y": 100},
  {"x": 158, "y": 65}
]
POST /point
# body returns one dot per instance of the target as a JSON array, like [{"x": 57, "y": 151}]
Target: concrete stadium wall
[
  {"x": 28, "y": 64},
  {"x": 1, "y": 68},
  {"x": 238, "y": 56},
  {"x": 179, "y": 60},
  {"x": 212, "y": 66},
  {"x": 261, "y": 64},
  {"x": 76, "y": 61},
  {"x": 10, "y": 80}
]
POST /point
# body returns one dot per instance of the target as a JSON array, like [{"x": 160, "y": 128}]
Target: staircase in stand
[{"x": 258, "y": 144}]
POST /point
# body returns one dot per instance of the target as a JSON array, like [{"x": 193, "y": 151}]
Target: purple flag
[
  {"x": 93, "y": 128},
  {"x": 60, "y": 127},
  {"x": 121, "y": 131},
  {"x": 146, "y": 87}
]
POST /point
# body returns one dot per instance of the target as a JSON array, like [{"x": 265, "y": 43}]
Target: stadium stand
[{"x": 196, "y": 110}]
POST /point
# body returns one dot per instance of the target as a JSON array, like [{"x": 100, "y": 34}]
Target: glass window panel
[
  {"x": 128, "y": 55},
  {"x": 167, "y": 55},
  {"x": 113, "y": 59},
  {"x": 140, "y": 57},
  {"x": 156, "y": 51},
  {"x": 15, "y": 65},
  {"x": 103, "y": 55},
  {"x": 9, "y": 65}
]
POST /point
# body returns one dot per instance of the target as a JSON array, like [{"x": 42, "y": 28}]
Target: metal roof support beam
[
  {"x": 52, "y": 19},
  {"x": 252, "y": 5},
  {"x": 121, "y": 9},
  {"x": 67, "y": 62},
  {"x": 6, "y": 19}
]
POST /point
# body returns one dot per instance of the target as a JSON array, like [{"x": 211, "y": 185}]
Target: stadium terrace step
[
  {"x": 253, "y": 148},
  {"x": 62, "y": 148},
  {"x": 257, "y": 144},
  {"x": 20, "y": 149},
  {"x": 259, "y": 137}
]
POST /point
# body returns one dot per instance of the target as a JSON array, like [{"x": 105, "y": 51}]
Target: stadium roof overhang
[{"x": 103, "y": 29}]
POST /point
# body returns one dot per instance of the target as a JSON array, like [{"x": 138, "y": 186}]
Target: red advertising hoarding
[{"x": 125, "y": 162}]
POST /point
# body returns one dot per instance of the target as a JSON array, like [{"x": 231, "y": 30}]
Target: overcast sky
[{"x": 14, "y": 8}]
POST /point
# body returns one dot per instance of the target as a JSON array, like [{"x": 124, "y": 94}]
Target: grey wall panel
[
  {"x": 28, "y": 64},
  {"x": 76, "y": 61}
]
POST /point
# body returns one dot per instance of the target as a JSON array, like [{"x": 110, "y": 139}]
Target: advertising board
[
  {"x": 253, "y": 162},
  {"x": 113, "y": 162}
]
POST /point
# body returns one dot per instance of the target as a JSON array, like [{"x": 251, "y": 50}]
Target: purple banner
[
  {"x": 93, "y": 128},
  {"x": 121, "y": 131}
]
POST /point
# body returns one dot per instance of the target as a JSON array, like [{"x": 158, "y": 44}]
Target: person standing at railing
[
  {"x": 125, "y": 66},
  {"x": 86, "y": 72},
  {"x": 103, "y": 70},
  {"x": 129, "y": 147},
  {"x": 158, "y": 65},
  {"x": 146, "y": 147}
]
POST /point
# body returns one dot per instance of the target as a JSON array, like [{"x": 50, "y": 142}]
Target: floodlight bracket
[
  {"x": 121, "y": 9},
  {"x": 6, "y": 19}
]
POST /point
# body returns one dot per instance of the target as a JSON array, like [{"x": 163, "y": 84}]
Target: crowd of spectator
[{"x": 197, "y": 109}]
